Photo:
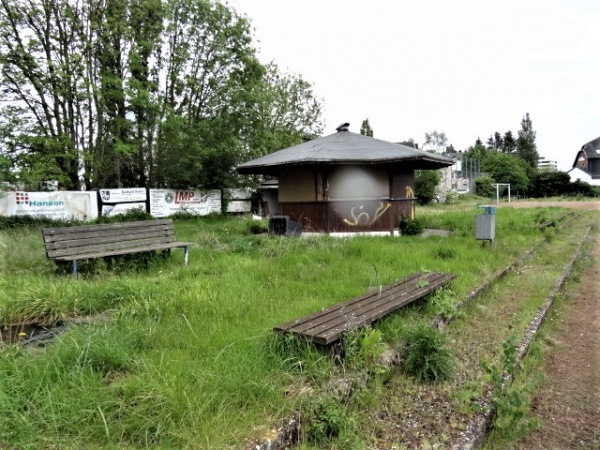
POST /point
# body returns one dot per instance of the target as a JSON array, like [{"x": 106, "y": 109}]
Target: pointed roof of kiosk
[{"x": 344, "y": 147}]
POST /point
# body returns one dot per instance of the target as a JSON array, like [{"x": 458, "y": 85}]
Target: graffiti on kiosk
[{"x": 363, "y": 217}]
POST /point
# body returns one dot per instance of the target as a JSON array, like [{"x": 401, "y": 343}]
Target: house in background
[
  {"x": 547, "y": 164},
  {"x": 586, "y": 166},
  {"x": 345, "y": 182}
]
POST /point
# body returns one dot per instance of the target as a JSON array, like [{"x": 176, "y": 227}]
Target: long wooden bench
[
  {"x": 328, "y": 325},
  {"x": 72, "y": 244}
]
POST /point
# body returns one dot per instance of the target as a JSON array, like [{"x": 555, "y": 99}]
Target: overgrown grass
[{"x": 184, "y": 356}]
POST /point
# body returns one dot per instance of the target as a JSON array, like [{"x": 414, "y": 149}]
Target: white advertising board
[
  {"x": 165, "y": 202},
  {"x": 239, "y": 200},
  {"x": 63, "y": 205},
  {"x": 123, "y": 195},
  {"x": 121, "y": 208}
]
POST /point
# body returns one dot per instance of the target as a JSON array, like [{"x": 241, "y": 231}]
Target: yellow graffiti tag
[
  {"x": 411, "y": 194},
  {"x": 365, "y": 217}
]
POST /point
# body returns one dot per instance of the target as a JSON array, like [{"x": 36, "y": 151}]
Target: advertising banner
[
  {"x": 165, "y": 202},
  {"x": 63, "y": 205},
  {"x": 239, "y": 200},
  {"x": 122, "y": 208},
  {"x": 123, "y": 195}
]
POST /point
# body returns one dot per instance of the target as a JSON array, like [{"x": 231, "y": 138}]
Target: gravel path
[{"x": 568, "y": 402}]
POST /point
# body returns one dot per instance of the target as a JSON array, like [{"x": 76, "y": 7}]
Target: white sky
[{"x": 464, "y": 67}]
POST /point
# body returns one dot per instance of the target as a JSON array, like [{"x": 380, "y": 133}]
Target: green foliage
[
  {"x": 484, "y": 188},
  {"x": 411, "y": 227},
  {"x": 548, "y": 183},
  {"x": 505, "y": 168},
  {"x": 178, "y": 97},
  {"x": 20, "y": 221},
  {"x": 442, "y": 303},
  {"x": 425, "y": 184},
  {"x": 424, "y": 354},
  {"x": 365, "y": 128},
  {"x": 257, "y": 226},
  {"x": 526, "y": 146},
  {"x": 445, "y": 253},
  {"x": 327, "y": 419},
  {"x": 511, "y": 402},
  {"x": 131, "y": 215},
  {"x": 362, "y": 348}
]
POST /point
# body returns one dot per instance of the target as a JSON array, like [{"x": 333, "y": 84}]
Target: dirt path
[
  {"x": 568, "y": 402},
  {"x": 561, "y": 204}
]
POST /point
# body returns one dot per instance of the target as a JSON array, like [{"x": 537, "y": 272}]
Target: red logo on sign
[{"x": 22, "y": 198}]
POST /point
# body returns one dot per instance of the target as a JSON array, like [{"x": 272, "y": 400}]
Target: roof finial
[{"x": 343, "y": 127}]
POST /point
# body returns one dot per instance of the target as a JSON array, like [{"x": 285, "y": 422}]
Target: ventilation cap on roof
[{"x": 343, "y": 127}]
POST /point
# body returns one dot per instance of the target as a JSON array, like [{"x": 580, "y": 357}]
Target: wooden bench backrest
[{"x": 86, "y": 239}]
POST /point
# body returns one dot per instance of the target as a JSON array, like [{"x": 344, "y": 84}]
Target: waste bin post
[{"x": 485, "y": 224}]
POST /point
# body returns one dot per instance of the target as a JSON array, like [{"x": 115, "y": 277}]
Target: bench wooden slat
[
  {"x": 327, "y": 326},
  {"x": 107, "y": 226},
  {"x": 98, "y": 241},
  {"x": 129, "y": 237},
  {"x": 399, "y": 294},
  {"x": 106, "y": 247},
  {"x": 311, "y": 317},
  {"x": 125, "y": 251}
]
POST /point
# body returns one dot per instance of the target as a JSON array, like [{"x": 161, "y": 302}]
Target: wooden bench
[
  {"x": 328, "y": 325},
  {"x": 71, "y": 244}
]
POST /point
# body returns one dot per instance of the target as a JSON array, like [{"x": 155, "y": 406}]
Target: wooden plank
[
  {"x": 132, "y": 237},
  {"x": 338, "y": 306},
  {"x": 333, "y": 334},
  {"x": 125, "y": 251},
  {"x": 372, "y": 303},
  {"x": 121, "y": 225},
  {"x": 107, "y": 247},
  {"x": 366, "y": 312},
  {"x": 327, "y": 326},
  {"x": 69, "y": 234}
]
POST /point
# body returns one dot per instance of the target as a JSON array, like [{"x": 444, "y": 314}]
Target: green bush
[
  {"x": 424, "y": 355},
  {"x": 411, "y": 227},
  {"x": 131, "y": 215},
  {"x": 257, "y": 226},
  {"x": 328, "y": 419}
]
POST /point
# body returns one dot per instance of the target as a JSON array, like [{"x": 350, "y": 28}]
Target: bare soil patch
[{"x": 568, "y": 402}]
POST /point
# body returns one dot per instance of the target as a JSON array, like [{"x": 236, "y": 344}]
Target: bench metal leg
[
  {"x": 74, "y": 268},
  {"x": 185, "y": 255}
]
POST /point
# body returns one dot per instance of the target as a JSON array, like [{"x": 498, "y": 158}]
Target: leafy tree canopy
[
  {"x": 111, "y": 93},
  {"x": 365, "y": 128}
]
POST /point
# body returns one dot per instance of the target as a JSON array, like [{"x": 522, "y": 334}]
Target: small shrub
[
  {"x": 411, "y": 227},
  {"x": 442, "y": 304},
  {"x": 425, "y": 356},
  {"x": 512, "y": 404},
  {"x": 131, "y": 215},
  {"x": 444, "y": 253},
  {"x": 257, "y": 226},
  {"x": 328, "y": 419},
  {"x": 362, "y": 348}
]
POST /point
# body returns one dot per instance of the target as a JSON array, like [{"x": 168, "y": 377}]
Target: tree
[
  {"x": 526, "y": 147},
  {"x": 509, "y": 143},
  {"x": 140, "y": 93},
  {"x": 425, "y": 184},
  {"x": 495, "y": 142},
  {"x": 365, "y": 128},
  {"x": 505, "y": 168},
  {"x": 436, "y": 141},
  {"x": 410, "y": 143}
]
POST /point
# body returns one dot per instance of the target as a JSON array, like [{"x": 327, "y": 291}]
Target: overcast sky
[{"x": 464, "y": 67}]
